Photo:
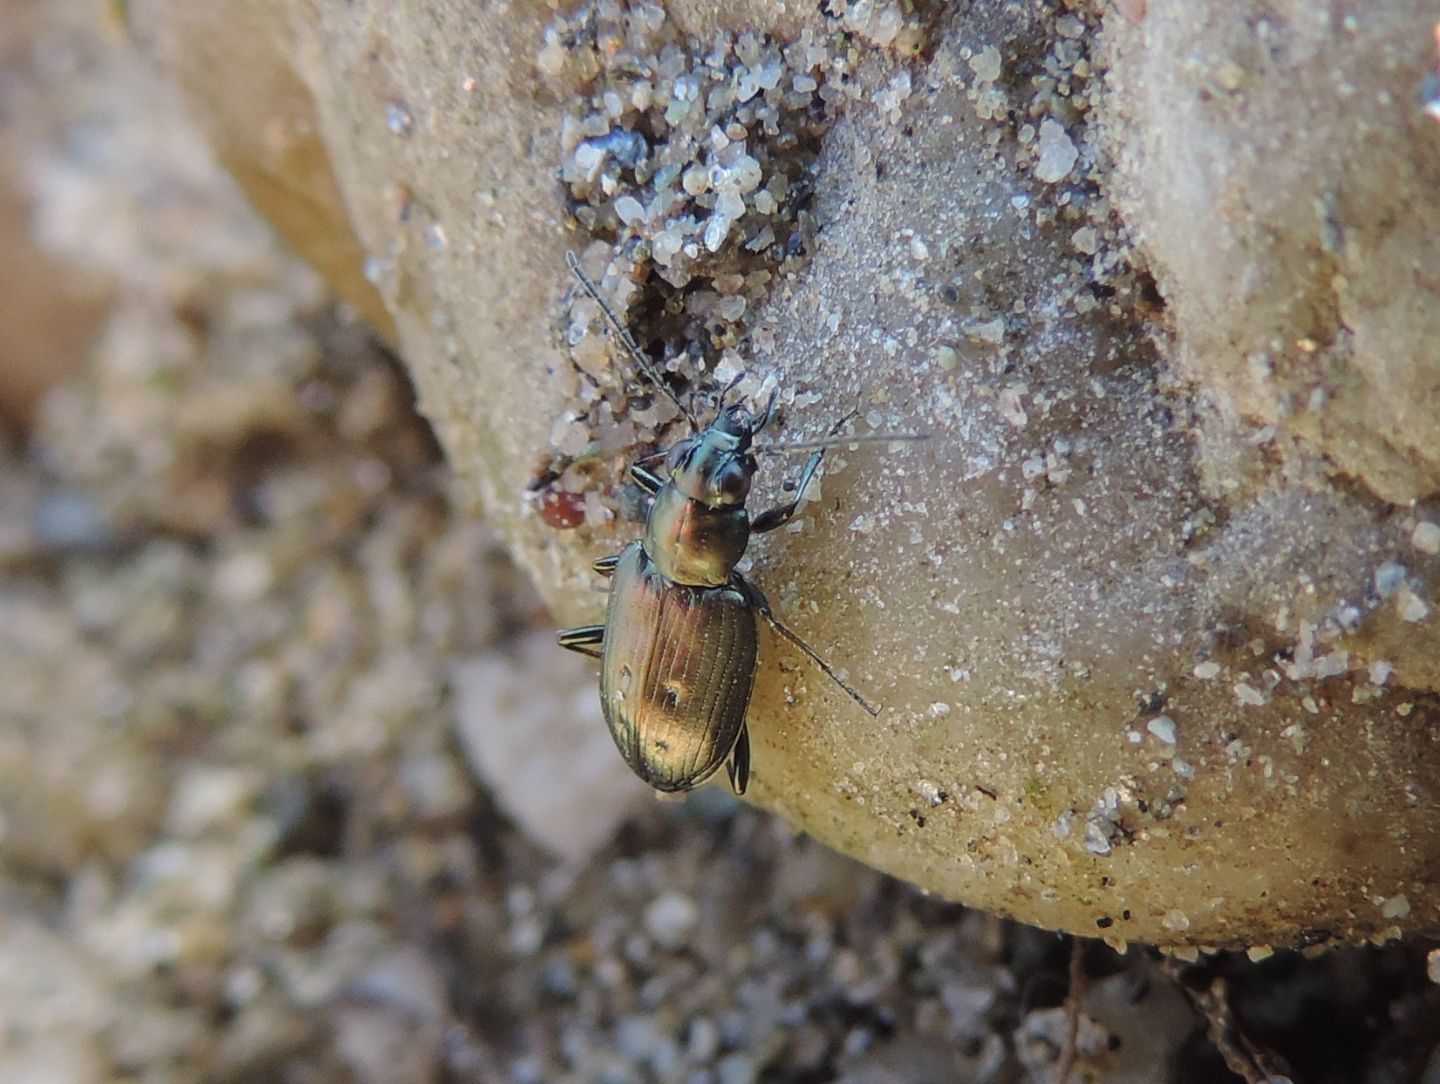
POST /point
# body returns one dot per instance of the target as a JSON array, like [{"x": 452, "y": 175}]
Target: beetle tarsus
[
  {"x": 737, "y": 767},
  {"x": 768, "y": 414},
  {"x": 585, "y": 640}
]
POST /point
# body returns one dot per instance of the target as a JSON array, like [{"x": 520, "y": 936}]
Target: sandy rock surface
[
  {"x": 1154, "y": 644},
  {"x": 281, "y": 797},
  {"x": 1277, "y": 172}
]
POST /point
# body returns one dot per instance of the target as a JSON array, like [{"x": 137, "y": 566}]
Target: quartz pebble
[
  {"x": 670, "y": 918},
  {"x": 1056, "y": 155},
  {"x": 1426, "y": 537}
]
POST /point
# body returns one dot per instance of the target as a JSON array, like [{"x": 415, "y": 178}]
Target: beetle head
[{"x": 715, "y": 465}]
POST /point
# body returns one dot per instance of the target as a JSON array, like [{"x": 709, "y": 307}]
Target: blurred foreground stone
[{"x": 514, "y": 711}]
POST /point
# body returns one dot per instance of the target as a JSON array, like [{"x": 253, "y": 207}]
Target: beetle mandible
[{"x": 679, "y": 644}]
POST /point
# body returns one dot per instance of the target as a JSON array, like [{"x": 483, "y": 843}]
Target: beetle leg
[
  {"x": 585, "y": 640},
  {"x": 776, "y": 517},
  {"x": 648, "y": 481},
  {"x": 757, "y": 598},
  {"x": 725, "y": 393},
  {"x": 765, "y": 415},
  {"x": 606, "y": 565},
  {"x": 738, "y": 766}
]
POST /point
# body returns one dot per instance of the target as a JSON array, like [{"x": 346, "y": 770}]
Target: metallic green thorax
[
  {"x": 698, "y": 527},
  {"x": 693, "y": 543}
]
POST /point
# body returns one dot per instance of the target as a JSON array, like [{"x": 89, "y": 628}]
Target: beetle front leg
[
  {"x": 778, "y": 517},
  {"x": 585, "y": 640},
  {"x": 768, "y": 413},
  {"x": 648, "y": 481}
]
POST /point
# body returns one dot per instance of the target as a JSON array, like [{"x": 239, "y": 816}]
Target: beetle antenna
[
  {"x": 725, "y": 393},
  {"x": 767, "y": 415},
  {"x": 830, "y": 442},
  {"x": 622, "y": 334}
]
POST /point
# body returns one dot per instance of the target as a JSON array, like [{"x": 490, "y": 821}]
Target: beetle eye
[{"x": 733, "y": 483}]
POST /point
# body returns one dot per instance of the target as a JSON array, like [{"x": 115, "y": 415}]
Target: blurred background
[{"x": 295, "y": 787}]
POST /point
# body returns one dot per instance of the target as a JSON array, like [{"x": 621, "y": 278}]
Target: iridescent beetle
[{"x": 678, "y": 647}]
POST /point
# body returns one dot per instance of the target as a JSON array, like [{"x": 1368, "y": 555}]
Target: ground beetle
[{"x": 678, "y": 647}]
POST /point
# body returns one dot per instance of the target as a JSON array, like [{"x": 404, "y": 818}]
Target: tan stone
[{"x": 1096, "y": 536}]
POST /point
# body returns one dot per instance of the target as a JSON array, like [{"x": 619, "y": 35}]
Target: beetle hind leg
[
  {"x": 762, "y": 604},
  {"x": 737, "y": 766},
  {"x": 585, "y": 640}
]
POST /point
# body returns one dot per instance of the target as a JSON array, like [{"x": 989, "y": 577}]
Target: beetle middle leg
[
  {"x": 585, "y": 640},
  {"x": 588, "y": 639},
  {"x": 760, "y": 602}
]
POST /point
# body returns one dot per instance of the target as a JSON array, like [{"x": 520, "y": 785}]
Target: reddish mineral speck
[{"x": 562, "y": 510}]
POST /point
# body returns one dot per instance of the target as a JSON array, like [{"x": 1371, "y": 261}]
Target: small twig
[
  {"x": 1244, "y": 1057},
  {"x": 1070, "y": 1052}
]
